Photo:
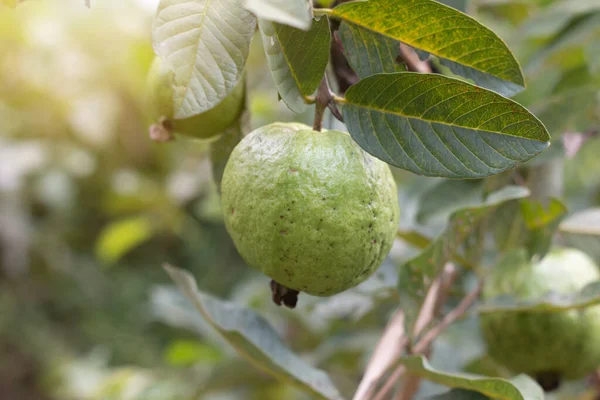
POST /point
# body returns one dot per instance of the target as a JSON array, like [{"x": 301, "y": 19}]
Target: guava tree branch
[
  {"x": 427, "y": 339},
  {"x": 412, "y": 60}
]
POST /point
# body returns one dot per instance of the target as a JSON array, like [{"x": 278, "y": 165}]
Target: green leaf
[
  {"x": 582, "y": 230},
  {"x": 436, "y": 29},
  {"x": 448, "y": 196},
  {"x": 295, "y": 13},
  {"x": 459, "y": 394},
  {"x": 592, "y": 53},
  {"x": 434, "y": 125},
  {"x": 221, "y": 148},
  {"x": 297, "y": 59},
  {"x": 508, "y": 226},
  {"x": 368, "y": 52},
  {"x": 520, "y": 387},
  {"x": 417, "y": 274},
  {"x": 188, "y": 352},
  {"x": 254, "y": 338},
  {"x": 120, "y": 237},
  {"x": 207, "y": 43},
  {"x": 542, "y": 222}
]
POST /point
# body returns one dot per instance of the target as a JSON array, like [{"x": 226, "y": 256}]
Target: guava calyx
[{"x": 283, "y": 295}]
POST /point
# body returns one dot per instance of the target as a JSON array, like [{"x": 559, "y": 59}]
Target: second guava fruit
[
  {"x": 559, "y": 346},
  {"x": 160, "y": 93},
  {"x": 310, "y": 209}
]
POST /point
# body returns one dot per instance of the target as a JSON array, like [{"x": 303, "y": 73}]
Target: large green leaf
[
  {"x": 434, "y": 125},
  {"x": 582, "y": 230},
  {"x": 417, "y": 273},
  {"x": 296, "y": 13},
  {"x": 436, "y": 29},
  {"x": 254, "y": 338},
  {"x": 520, "y": 387},
  {"x": 297, "y": 59},
  {"x": 368, "y": 52},
  {"x": 207, "y": 43}
]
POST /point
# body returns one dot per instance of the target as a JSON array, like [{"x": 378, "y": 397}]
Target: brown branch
[
  {"x": 412, "y": 61},
  {"x": 388, "y": 350},
  {"x": 423, "y": 344}
]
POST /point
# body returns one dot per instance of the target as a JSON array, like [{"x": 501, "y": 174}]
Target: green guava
[
  {"x": 555, "y": 345},
  {"x": 310, "y": 209},
  {"x": 211, "y": 123}
]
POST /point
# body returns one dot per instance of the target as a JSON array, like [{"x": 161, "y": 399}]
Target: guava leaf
[
  {"x": 435, "y": 125},
  {"x": 436, "y": 29},
  {"x": 582, "y": 230},
  {"x": 458, "y": 394},
  {"x": 542, "y": 222},
  {"x": 369, "y": 52},
  {"x": 592, "y": 54},
  {"x": 448, "y": 196},
  {"x": 508, "y": 226},
  {"x": 206, "y": 43},
  {"x": 295, "y": 13},
  {"x": 255, "y": 339},
  {"x": 120, "y": 237},
  {"x": 297, "y": 59},
  {"x": 557, "y": 16},
  {"x": 417, "y": 273},
  {"x": 520, "y": 387},
  {"x": 575, "y": 36}
]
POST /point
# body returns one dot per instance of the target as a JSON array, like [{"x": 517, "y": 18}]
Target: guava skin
[
  {"x": 309, "y": 209},
  {"x": 562, "y": 344},
  {"x": 206, "y": 125}
]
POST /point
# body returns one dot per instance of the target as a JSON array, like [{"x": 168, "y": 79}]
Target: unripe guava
[
  {"x": 310, "y": 209},
  {"x": 160, "y": 91},
  {"x": 563, "y": 345}
]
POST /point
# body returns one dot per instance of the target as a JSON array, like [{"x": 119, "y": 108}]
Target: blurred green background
[{"x": 90, "y": 208}]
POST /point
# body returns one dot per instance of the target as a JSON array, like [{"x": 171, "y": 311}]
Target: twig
[
  {"x": 427, "y": 339},
  {"x": 411, "y": 58},
  {"x": 325, "y": 99},
  {"x": 388, "y": 350}
]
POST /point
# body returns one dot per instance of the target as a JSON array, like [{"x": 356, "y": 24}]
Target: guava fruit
[
  {"x": 211, "y": 123},
  {"x": 309, "y": 209},
  {"x": 549, "y": 346}
]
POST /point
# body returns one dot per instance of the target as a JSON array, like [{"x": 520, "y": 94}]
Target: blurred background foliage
[{"x": 90, "y": 208}]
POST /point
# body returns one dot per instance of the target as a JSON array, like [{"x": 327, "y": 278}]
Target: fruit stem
[
  {"x": 318, "y": 12},
  {"x": 325, "y": 99}
]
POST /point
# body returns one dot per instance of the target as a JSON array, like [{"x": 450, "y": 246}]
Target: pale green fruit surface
[
  {"x": 206, "y": 125},
  {"x": 564, "y": 343},
  {"x": 309, "y": 209}
]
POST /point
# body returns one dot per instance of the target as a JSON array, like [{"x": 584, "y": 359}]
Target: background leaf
[
  {"x": 369, "y": 52},
  {"x": 253, "y": 337},
  {"x": 458, "y": 394},
  {"x": 439, "y": 30},
  {"x": 296, "y": 13},
  {"x": 554, "y": 18},
  {"x": 207, "y": 43},
  {"x": 120, "y": 237},
  {"x": 417, "y": 273},
  {"x": 519, "y": 388},
  {"x": 297, "y": 59},
  {"x": 448, "y": 196},
  {"x": 582, "y": 230},
  {"x": 439, "y": 126},
  {"x": 542, "y": 220}
]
